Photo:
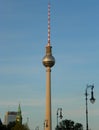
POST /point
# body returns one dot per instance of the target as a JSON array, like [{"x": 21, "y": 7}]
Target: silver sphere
[{"x": 48, "y": 61}]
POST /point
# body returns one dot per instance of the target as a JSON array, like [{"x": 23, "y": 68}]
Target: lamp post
[
  {"x": 59, "y": 115},
  {"x": 92, "y": 100}
]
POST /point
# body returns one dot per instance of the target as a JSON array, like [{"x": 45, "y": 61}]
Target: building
[
  {"x": 10, "y": 116},
  {"x": 13, "y": 116}
]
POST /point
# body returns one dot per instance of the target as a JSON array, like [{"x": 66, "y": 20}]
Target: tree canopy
[
  {"x": 18, "y": 126},
  {"x": 69, "y": 125},
  {"x": 14, "y": 126}
]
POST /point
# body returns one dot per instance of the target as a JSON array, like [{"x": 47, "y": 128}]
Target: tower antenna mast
[{"x": 49, "y": 6}]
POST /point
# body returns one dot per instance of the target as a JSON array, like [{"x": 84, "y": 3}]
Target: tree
[
  {"x": 69, "y": 125},
  {"x": 78, "y": 126},
  {"x": 10, "y": 125},
  {"x": 19, "y": 126},
  {"x": 14, "y": 126},
  {"x": 3, "y": 127}
]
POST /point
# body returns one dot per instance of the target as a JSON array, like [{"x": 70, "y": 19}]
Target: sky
[{"x": 75, "y": 46}]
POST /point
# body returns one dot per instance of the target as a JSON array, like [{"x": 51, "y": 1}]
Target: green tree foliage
[
  {"x": 3, "y": 127},
  {"x": 69, "y": 125},
  {"x": 10, "y": 125},
  {"x": 19, "y": 126},
  {"x": 14, "y": 126}
]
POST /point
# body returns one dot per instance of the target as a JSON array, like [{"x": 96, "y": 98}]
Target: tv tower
[{"x": 48, "y": 61}]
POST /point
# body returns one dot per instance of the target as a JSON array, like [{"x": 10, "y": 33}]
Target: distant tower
[
  {"x": 19, "y": 115},
  {"x": 48, "y": 61}
]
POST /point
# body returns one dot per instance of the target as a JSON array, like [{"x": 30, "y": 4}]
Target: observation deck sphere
[{"x": 48, "y": 61}]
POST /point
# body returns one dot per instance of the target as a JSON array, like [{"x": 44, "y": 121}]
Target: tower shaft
[{"x": 48, "y": 99}]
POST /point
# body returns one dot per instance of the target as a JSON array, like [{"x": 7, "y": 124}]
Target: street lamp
[
  {"x": 59, "y": 115},
  {"x": 92, "y": 100}
]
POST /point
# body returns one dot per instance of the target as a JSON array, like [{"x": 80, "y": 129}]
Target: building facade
[
  {"x": 10, "y": 116},
  {"x": 13, "y": 116}
]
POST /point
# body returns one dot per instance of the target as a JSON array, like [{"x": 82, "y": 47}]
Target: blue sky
[{"x": 75, "y": 41}]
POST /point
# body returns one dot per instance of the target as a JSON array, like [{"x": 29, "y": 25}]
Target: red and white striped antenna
[{"x": 49, "y": 23}]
